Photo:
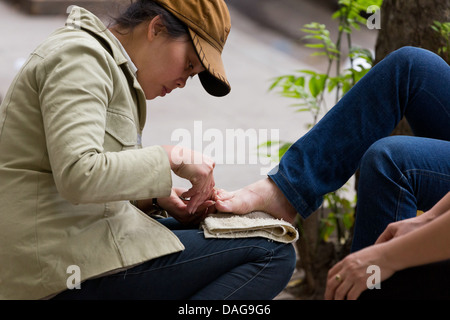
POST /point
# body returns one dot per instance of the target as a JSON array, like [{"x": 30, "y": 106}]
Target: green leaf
[
  {"x": 315, "y": 46},
  {"x": 313, "y": 87},
  {"x": 310, "y": 72},
  {"x": 300, "y": 82},
  {"x": 318, "y": 54},
  {"x": 275, "y": 83}
]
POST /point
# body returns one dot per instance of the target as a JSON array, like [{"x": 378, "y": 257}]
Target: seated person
[
  {"x": 399, "y": 175},
  {"x": 75, "y": 179}
]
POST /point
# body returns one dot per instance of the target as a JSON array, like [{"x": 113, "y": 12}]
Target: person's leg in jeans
[
  {"x": 409, "y": 82},
  {"x": 398, "y": 176},
  {"x": 208, "y": 269}
]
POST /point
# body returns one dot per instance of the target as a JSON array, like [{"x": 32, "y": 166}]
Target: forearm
[{"x": 114, "y": 176}]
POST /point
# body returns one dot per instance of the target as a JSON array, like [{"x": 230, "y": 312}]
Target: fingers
[
  {"x": 333, "y": 281},
  {"x": 202, "y": 188},
  {"x": 194, "y": 219},
  {"x": 385, "y": 236},
  {"x": 337, "y": 287},
  {"x": 186, "y": 218},
  {"x": 179, "y": 191},
  {"x": 197, "y": 198},
  {"x": 198, "y": 169},
  {"x": 205, "y": 206},
  {"x": 346, "y": 280},
  {"x": 177, "y": 207},
  {"x": 341, "y": 286}
]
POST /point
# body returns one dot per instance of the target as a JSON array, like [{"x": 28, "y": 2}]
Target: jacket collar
[{"x": 80, "y": 18}]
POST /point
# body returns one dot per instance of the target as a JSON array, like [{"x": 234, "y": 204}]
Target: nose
[{"x": 181, "y": 83}]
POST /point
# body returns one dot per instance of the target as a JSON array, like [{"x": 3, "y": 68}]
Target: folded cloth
[{"x": 253, "y": 224}]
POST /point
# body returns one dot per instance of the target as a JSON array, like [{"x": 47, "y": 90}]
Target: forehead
[{"x": 180, "y": 44}]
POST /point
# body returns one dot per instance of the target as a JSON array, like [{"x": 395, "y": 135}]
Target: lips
[{"x": 165, "y": 91}]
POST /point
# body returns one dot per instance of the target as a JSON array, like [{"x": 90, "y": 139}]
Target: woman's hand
[
  {"x": 178, "y": 208},
  {"x": 198, "y": 169},
  {"x": 402, "y": 227},
  {"x": 407, "y": 243},
  {"x": 348, "y": 278}
]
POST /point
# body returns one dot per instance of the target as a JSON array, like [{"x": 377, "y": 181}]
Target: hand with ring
[{"x": 348, "y": 278}]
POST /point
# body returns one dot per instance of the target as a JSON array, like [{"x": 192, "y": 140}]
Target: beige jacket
[{"x": 70, "y": 162}]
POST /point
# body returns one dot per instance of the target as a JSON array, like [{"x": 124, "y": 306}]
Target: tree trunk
[
  {"x": 408, "y": 23},
  {"x": 316, "y": 257}
]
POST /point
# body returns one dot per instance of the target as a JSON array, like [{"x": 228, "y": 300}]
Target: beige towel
[{"x": 254, "y": 224}]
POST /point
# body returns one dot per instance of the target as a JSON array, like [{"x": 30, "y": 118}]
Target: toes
[
  {"x": 224, "y": 206},
  {"x": 221, "y": 194}
]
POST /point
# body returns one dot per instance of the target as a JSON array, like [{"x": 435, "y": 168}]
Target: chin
[{"x": 150, "y": 95}]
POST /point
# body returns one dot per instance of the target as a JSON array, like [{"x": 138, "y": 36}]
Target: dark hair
[{"x": 144, "y": 10}]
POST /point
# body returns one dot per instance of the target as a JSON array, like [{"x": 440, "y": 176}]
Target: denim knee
[
  {"x": 412, "y": 54},
  {"x": 389, "y": 151},
  {"x": 417, "y": 59}
]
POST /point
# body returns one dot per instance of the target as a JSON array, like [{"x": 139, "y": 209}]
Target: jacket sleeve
[{"x": 75, "y": 87}]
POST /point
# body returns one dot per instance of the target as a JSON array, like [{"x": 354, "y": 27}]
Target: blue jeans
[
  {"x": 208, "y": 269},
  {"x": 399, "y": 175}
]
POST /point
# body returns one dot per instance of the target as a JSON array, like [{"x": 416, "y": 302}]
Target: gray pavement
[{"x": 255, "y": 53}]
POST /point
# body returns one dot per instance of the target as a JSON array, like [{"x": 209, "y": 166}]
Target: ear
[{"x": 155, "y": 28}]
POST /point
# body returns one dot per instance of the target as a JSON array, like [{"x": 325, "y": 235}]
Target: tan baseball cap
[{"x": 209, "y": 24}]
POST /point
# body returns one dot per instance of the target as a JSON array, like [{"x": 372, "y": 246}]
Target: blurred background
[{"x": 265, "y": 42}]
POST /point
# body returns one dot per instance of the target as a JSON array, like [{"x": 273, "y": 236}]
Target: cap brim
[{"x": 213, "y": 78}]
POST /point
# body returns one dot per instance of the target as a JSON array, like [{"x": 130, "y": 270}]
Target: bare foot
[{"x": 262, "y": 195}]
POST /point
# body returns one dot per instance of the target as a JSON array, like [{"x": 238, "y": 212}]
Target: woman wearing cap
[{"x": 75, "y": 179}]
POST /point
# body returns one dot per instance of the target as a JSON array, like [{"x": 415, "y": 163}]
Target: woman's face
[{"x": 167, "y": 64}]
